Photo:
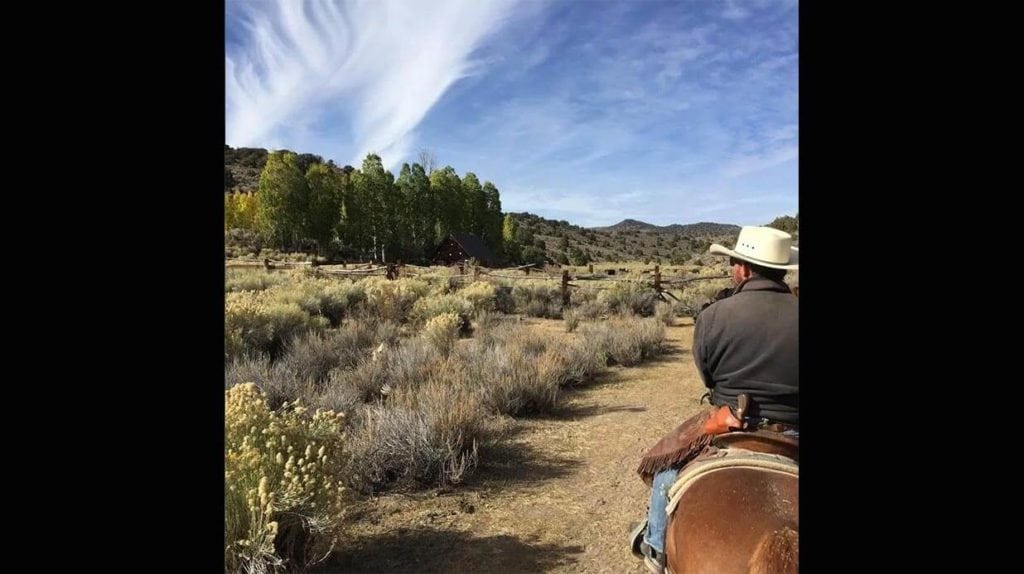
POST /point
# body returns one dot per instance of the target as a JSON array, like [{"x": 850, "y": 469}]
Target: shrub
[
  {"x": 429, "y": 435},
  {"x": 630, "y": 298},
  {"x": 312, "y": 356},
  {"x": 480, "y": 295},
  {"x": 393, "y": 300},
  {"x": 255, "y": 323},
  {"x": 442, "y": 331},
  {"x": 427, "y": 308},
  {"x": 281, "y": 493},
  {"x": 253, "y": 280},
  {"x": 572, "y": 320},
  {"x": 278, "y": 381},
  {"x": 665, "y": 313},
  {"x": 624, "y": 341},
  {"x": 538, "y": 300}
]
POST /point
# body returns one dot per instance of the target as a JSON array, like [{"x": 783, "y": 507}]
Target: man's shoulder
[
  {"x": 745, "y": 303},
  {"x": 721, "y": 295},
  {"x": 708, "y": 313},
  {"x": 733, "y": 303}
]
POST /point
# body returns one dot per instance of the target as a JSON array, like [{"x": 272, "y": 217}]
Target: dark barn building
[{"x": 459, "y": 247}]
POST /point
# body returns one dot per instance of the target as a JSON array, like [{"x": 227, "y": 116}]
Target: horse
[{"x": 735, "y": 508}]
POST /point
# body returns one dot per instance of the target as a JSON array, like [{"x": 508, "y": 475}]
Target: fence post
[
  {"x": 476, "y": 273},
  {"x": 657, "y": 278},
  {"x": 527, "y": 271},
  {"x": 462, "y": 268},
  {"x": 565, "y": 288},
  {"x": 590, "y": 268}
]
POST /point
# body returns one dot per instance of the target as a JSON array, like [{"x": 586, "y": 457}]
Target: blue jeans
[{"x": 657, "y": 520}]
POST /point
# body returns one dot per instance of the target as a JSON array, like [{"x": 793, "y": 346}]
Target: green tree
[
  {"x": 786, "y": 223},
  {"x": 446, "y": 189},
  {"x": 326, "y": 193},
  {"x": 282, "y": 200},
  {"x": 533, "y": 255},
  {"x": 493, "y": 220},
  {"x": 475, "y": 207},
  {"x": 414, "y": 187},
  {"x": 352, "y": 224},
  {"x": 230, "y": 212},
  {"x": 510, "y": 245},
  {"x": 378, "y": 202},
  {"x": 240, "y": 211},
  {"x": 578, "y": 257}
]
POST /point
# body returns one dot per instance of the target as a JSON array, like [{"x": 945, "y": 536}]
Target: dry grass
[
  {"x": 555, "y": 495},
  {"x": 426, "y": 435}
]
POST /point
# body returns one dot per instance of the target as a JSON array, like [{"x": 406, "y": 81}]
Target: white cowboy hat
[{"x": 764, "y": 246}]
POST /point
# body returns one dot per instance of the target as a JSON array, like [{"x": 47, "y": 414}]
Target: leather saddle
[
  {"x": 729, "y": 431},
  {"x": 760, "y": 441}
]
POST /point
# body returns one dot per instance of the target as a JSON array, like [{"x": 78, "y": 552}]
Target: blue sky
[{"x": 583, "y": 110}]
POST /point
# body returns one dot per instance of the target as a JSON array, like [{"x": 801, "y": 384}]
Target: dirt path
[{"x": 558, "y": 498}]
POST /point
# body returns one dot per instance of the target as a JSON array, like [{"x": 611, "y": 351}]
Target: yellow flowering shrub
[
  {"x": 442, "y": 331},
  {"x": 282, "y": 495},
  {"x": 481, "y": 295},
  {"x": 431, "y": 306},
  {"x": 392, "y": 300},
  {"x": 257, "y": 321}
]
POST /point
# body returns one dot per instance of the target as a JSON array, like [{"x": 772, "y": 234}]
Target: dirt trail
[{"x": 558, "y": 498}]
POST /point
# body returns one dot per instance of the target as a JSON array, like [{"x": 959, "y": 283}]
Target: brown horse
[{"x": 736, "y": 510}]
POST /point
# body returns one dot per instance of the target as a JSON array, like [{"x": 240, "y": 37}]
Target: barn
[{"x": 459, "y": 247}]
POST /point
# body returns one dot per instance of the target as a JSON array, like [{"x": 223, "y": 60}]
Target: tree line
[{"x": 303, "y": 203}]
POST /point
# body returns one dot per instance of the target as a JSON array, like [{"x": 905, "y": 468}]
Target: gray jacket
[{"x": 748, "y": 343}]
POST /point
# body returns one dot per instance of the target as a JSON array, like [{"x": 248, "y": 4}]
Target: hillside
[
  {"x": 628, "y": 240},
  {"x": 242, "y": 168}
]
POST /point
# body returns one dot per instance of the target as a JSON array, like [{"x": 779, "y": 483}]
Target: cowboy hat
[{"x": 764, "y": 246}]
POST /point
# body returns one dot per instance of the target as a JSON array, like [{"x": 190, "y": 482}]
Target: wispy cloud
[
  {"x": 586, "y": 111},
  {"x": 377, "y": 66},
  {"x": 674, "y": 112},
  {"x": 746, "y": 164}
]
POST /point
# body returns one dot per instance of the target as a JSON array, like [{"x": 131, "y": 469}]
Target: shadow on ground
[
  {"x": 670, "y": 352},
  {"x": 517, "y": 463},
  {"x": 574, "y": 411},
  {"x": 424, "y": 549}
]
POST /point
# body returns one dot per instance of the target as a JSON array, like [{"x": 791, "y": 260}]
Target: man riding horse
[{"x": 745, "y": 347}]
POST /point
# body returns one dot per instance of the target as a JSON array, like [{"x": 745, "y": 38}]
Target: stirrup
[
  {"x": 636, "y": 537},
  {"x": 654, "y": 560}
]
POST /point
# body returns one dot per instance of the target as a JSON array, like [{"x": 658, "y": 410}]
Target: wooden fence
[{"x": 466, "y": 273}]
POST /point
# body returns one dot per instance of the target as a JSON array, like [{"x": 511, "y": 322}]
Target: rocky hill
[{"x": 628, "y": 240}]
